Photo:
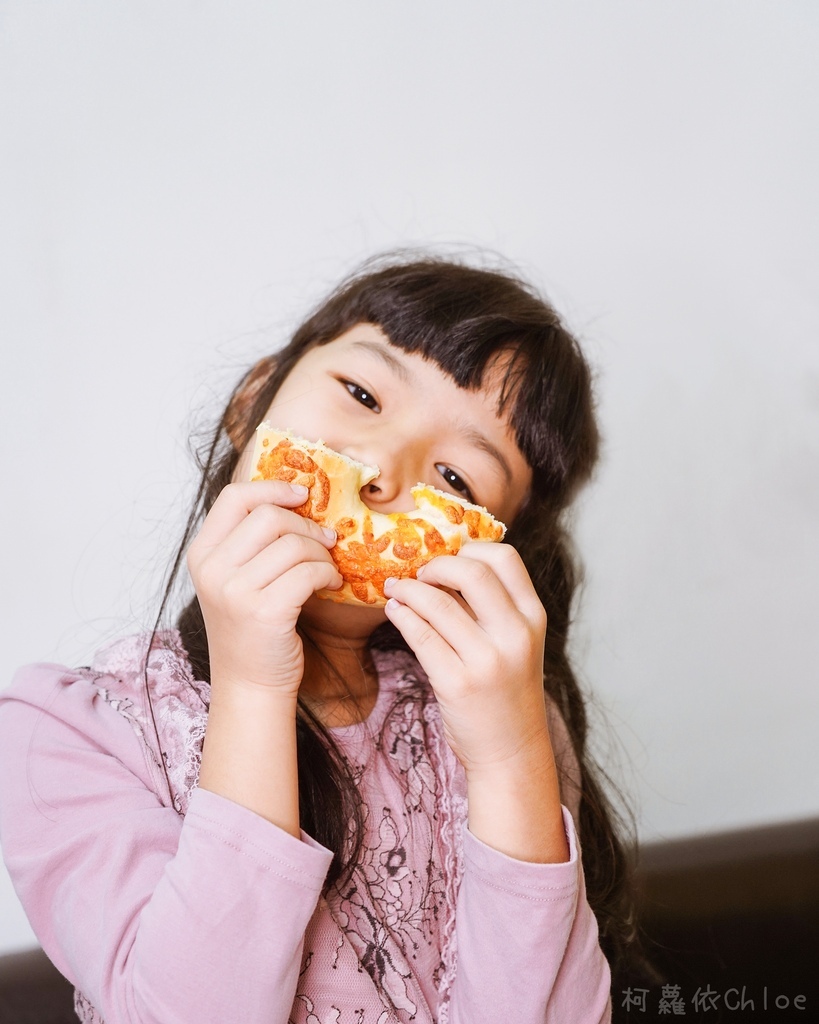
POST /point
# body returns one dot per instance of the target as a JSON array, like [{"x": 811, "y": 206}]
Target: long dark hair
[{"x": 460, "y": 317}]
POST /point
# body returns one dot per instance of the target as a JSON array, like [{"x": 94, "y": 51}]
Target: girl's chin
[{"x": 351, "y": 620}]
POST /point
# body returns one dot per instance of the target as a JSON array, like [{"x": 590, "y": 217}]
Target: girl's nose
[{"x": 390, "y": 491}]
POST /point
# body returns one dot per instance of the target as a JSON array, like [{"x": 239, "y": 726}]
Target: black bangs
[{"x": 467, "y": 320}]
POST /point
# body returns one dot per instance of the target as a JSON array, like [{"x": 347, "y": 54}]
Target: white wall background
[{"x": 182, "y": 179}]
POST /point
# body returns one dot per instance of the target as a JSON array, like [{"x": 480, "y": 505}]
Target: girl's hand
[
  {"x": 481, "y": 642},
  {"x": 253, "y": 564}
]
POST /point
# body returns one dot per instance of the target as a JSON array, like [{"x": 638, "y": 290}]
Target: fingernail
[
  {"x": 389, "y": 582},
  {"x": 300, "y": 490},
  {"x": 328, "y": 533}
]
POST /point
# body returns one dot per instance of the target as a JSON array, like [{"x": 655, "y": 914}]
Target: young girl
[{"x": 289, "y": 809}]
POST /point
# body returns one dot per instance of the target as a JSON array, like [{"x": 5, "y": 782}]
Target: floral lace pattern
[
  {"x": 400, "y": 900},
  {"x": 179, "y": 704},
  {"x": 84, "y": 1010},
  {"x": 395, "y": 917}
]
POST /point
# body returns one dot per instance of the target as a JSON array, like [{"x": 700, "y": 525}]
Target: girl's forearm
[
  {"x": 514, "y": 807},
  {"x": 249, "y": 753}
]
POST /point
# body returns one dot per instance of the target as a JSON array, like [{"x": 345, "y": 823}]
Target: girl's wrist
[
  {"x": 240, "y": 698},
  {"x": 249, "y": 753},
  {"x": 535, "y": 761},
  {"x": 514, "y": 806}
]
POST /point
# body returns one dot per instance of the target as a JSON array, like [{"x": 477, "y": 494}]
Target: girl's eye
[
  {"x": 454, "y": 482},
  {"x": 362, "y": 395}
]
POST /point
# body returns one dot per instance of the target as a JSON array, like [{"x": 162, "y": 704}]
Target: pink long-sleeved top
[{"x": 178, "y": 906}]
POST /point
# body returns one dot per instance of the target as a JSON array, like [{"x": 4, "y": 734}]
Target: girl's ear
[{"x": 238, "y": 411}]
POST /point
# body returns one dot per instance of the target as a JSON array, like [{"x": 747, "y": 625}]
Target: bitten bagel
[{"x": 371, "y": 546}]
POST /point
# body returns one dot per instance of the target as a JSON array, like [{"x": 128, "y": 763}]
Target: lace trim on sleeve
[
  {"x": 84, "y": 1010},
  {"x": 178, "y": 701}
]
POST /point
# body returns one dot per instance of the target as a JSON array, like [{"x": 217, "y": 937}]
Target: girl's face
[{"x": 396, "y": 410}]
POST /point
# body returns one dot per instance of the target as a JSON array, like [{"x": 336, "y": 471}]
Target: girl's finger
[
  {"x": 479, "y": 587},
  {"x": 494, "y": 583},
  {"x": 263, "y": 526},
  {"x": 435, "y": 655},
  {"x": 282, "y": 555},
  {"x": 299, "y": 583},
  {"x": 441, "y": 611},
  {"x": 507, "y": 565},
  {"x": 236, "y": 501}
]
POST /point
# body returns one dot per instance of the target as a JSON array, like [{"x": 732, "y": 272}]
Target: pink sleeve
[
  {"x": 147, "y": 914},
  {"x": 527, "y": 942}
]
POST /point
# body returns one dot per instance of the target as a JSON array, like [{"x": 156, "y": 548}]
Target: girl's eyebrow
[
  {"x": 400, "y": 369},
  {"x": 481, "y": 441}
]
